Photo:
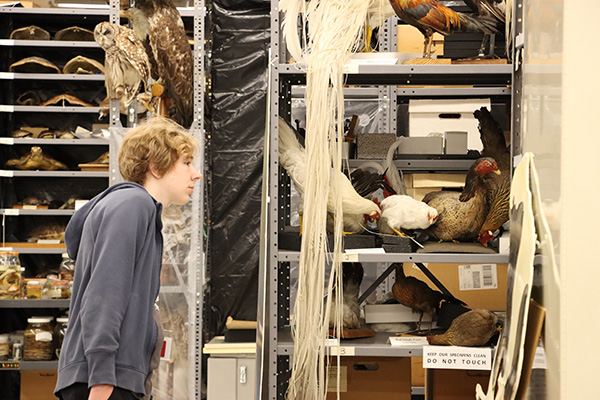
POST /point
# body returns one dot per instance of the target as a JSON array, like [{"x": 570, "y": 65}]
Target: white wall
[{"x": 561, "y": 127}]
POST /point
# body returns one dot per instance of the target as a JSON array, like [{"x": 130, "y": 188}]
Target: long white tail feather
[{"x": 291, "y": 10}]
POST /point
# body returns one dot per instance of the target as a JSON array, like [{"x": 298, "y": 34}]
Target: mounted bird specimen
[
  {"x": 141, "y": 26},
  {"x": 173, "y": 56},
  {"x": 488, "y": 8},
  {"x": 399, "y": 212},
  {"x": 473, "y": 328},
  {"x": 430, "y": 16},
  {"x": 494, "y": 145},
  {"x": 461, "y": 215},
  {"x": 356, "y": 209},
  {"x": 352, "y": 276},
  {"x": 417, "y": 295},
  {"x": 126, "y": 63}
]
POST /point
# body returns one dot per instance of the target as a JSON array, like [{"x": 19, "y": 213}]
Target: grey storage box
[
  {"x": 421, "y": 145},
  {"x": 373, "y": 145},
  {"x": 456, "y": 142}
]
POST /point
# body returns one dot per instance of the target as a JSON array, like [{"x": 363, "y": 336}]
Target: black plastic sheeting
[{"x": 241, "y": 36}]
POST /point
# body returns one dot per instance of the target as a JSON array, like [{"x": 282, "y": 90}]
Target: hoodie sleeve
[{"x": 119, "y": 230}]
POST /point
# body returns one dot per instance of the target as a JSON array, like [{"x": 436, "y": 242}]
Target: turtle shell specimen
[
  {"x": 66, "y": 99},
  {"x": 36, "y": 65},
  {"x": 83, "y": 65},
  {"x": 49, "y": 232},
  {"x": 74, "y": 34},
  {"x": 28, "y": 98},
  {"x": 21, "y": 134},
  {"x": 36, "y": 160},
  {"x": 31, "y": 32}
]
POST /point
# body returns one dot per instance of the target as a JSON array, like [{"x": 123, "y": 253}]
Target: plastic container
[
  {"x": 59, "y": 290},
  {"x": 38, "y": 342},
  {"x": 11, "y": 278},
  {"x": 34, "y": 289},
  {"x": 59, "y": 333},
  {"x": 4, "y": 348},
  {"x": 67, "y": 268}
]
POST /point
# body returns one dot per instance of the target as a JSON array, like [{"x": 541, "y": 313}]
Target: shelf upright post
[{"x": 197, "y": 260}]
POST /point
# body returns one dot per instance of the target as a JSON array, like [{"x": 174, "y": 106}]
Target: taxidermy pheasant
[
  {"x": 461, "y": 215},
  {"x": 494, "y": 145},
  {"x": 357, "y": 210},
  {"x": 430, "y": 16},
  {"x": 490, "y": 8},
  {"x": 417, "y": 295},
  {"x": 473, "y": 328}
]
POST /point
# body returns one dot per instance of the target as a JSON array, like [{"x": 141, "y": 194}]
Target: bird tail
[
  {"x": 438, "y": 340},
  {"x": 491, "y": 134},
  {"x": 291, "y": 9},
  {"x": 287, "y": 141},
  {"x": 484, "y": 23}
]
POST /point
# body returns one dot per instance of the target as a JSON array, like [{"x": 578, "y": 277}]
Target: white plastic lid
[
  {"x": 39, "y": 320},
  {"x": 62, "y": 320}
]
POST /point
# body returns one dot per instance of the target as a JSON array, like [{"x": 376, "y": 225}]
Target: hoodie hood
[{"x": 75, "y": 226}]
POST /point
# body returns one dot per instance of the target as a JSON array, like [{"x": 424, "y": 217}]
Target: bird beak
[
  {"x": 497, "y": 172},
  {"x": 124, "y": 14}
]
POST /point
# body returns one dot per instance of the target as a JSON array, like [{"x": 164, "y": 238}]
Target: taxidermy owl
[
  {"x": 173, "y": 55},
  {"x": 126, "y": 62}
]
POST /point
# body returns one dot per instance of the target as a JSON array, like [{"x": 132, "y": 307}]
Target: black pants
[{"x": 80, "y": 391}]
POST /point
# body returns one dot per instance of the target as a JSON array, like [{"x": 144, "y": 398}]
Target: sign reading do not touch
[{"x": 453, "y": 357}]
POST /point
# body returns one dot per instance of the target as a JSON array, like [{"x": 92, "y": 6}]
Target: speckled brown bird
[
  {"x": 473, "y": 328},
  {"x": 494, "y": 145},
  {"x": 417, "y": 295},
  {"x": 461, "y": 215}
]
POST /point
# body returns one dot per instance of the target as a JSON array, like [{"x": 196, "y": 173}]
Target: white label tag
[
  {"x": 165, "y": 353},
  {"x": 344, "y": 351},
  {"x": 43, "y": 337},
  {"x": 478, "y": 276},
  {"x": 11, "y": 211},
  {"x": 332, "y": 380},
  {"x": 539, "y": 360},
  {"x": 445, "y": 357},
  {"x": 408, "y": 341},
  {"x": 79, "y": 204},
  {"x": 48, "y": 241}
]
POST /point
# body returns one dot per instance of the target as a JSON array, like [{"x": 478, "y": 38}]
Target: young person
[{"x": 113, "y": 337}]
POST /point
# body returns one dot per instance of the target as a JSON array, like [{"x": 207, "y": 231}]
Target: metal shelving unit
[
  {"x": 274, "y": 281},
  {"x": 50, "y": 109},
  {"x": 50, "y": 77},
  {"x": 24, "y": 211},
  {"x": 53, "y": 174}
]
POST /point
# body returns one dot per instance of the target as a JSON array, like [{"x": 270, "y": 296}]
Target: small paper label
[
  {"x": 343, "y": 351},
  {"x": 11, "y": 211},
  {"x": 539, "y": 360},
  {"x": 351, "y": 68},
  {"x": 165, "y": 353},
  {"x": 408, "y": 341},
  {"x": 444, "y": 357},
  {"x": 48, "y": 241},
  {"x": 332, "y": 379},
  {"x": 478, "y": 276},
  {"x": 43, "y": 337}
]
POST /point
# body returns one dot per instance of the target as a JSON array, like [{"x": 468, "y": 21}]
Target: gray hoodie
[{"x": 117, "y": 243}]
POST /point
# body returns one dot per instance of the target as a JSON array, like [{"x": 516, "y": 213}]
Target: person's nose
[{"x": 196, "y": 175}]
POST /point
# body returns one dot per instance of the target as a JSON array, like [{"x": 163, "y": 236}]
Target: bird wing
[
  {"x": 127, "y": 39},
  {"x": 173, "y": 55}
]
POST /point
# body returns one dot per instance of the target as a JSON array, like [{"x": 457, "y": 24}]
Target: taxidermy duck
[
  {"x": 430, "y": 16},
  {"x": 461, "y": 215},
  {"x": 356, "y": 209},
  {"x": 35, "y": 160},
  {"x": 473, "y": 328},
  {"x": 494, "y": 145},
  {"x": 489, "y": 8}
]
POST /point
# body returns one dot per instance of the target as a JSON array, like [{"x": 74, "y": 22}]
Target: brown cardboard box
[
  {"x": 454, "y": 384},
  {"x": 373, "y": 378},
  {"x": 493, "y": 299},
  {"x": 38, "y": 385},
  {"x": 417, "y": 372},
  {"x": 435, "y": 180},
  {"x": 410, "y": 40}
]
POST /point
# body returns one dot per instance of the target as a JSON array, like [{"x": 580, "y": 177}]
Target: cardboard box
[
  {"x": 373, "y": 378},
  {"x": 490, "y": 295},
  {"x": 427, "y": 116},
  {"x": 454, "y": 384},
  {"x": 410, "y": 40},
  {"x": 417, "y": 372},
  {"x": 373, "y": 145},
  {"x": 38, "y": 385},
  {"x": 421, "y": 145},
  {"x": 419, "y": 193},
  {"x": 437, "y": 181}
]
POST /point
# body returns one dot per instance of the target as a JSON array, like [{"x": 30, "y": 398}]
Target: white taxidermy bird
[
  {"x": 403, "y": 212},
  {"x": 292, "y": 157}
]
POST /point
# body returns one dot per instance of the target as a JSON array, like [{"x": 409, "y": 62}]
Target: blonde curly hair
[{"x": 158, "y": 141}]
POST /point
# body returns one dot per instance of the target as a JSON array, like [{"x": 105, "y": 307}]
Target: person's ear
[{"x": 154, "y": 171}]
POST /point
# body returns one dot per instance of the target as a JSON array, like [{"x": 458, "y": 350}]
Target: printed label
[
  {"x": 43, "y": 337},
  {"x": 478, "y": 276},
  {"x": 444, "y": 357},
  {"x": 408, "y": 341},
  {"x": 332, "y": 379}
]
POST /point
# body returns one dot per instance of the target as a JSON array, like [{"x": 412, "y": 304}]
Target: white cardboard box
[{"x": 436, "y": 116}]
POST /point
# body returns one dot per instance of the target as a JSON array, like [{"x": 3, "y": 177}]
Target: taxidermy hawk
[{"x": 173, "y": 56}]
